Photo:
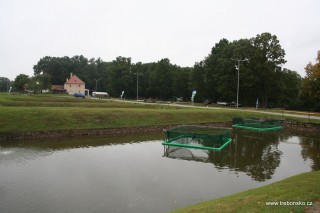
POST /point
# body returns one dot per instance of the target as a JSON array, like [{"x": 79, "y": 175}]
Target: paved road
[
  {"x": 284, "y": 114},
  {"x": 306, "y": 115}
]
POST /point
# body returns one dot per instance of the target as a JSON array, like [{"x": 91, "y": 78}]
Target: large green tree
[
  {"x": 310, "y": 91},
  {"x": 119, "y": 76},
  {"x": 58, "y": 68},
  {"x": 5, "y": 84},
  {"x": 20, "y": 82},
  {"x": 267, "y": 60},
  {"x": 258, "y": 75},
  {"x": 289, "y": 88},
  {"x": 38, "y": 83},
  {"x": 181, "y": 78},
  {"x": 219, "y": 72},
  {"x": 161, "y": 80}
]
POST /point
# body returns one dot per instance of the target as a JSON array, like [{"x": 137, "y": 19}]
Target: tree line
[{"x": 259, "y": 61}]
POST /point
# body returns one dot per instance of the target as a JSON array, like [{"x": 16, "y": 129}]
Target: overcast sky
[{"x": 148, "y": 30}]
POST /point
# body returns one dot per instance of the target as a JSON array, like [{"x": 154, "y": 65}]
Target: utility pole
[
  {"x": 238, "y": 68},
  {"x": 137, "y": 74}
]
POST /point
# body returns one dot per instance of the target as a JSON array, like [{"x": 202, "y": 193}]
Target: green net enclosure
[
  {"x": 198, "y": 137},
  {"x": 257, "y": 124}
]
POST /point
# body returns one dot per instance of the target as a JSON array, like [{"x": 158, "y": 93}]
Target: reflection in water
[
  {"x": 199, "y": 142},
  {"x": 20, "y": 154},
  {"x": 16, "y": 151},
  {"x": 80, "y": 142},
  {"x": 311, "y": 150},
  {"x": 254, "y": 153},
  {"x": 130, "y": 174},
  {"x": 199, "y": 155}
]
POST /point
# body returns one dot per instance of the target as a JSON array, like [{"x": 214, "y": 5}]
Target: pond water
[{"x": 137, "y": 174}]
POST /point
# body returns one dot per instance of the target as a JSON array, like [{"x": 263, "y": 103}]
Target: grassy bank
[
  {"x": 304, "y": 187},
  {"x": 23, "y": 113}
]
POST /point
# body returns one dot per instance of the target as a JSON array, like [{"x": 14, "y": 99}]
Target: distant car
[
  {"x": 207, "y": 101},
  {"x": 79, "y": 95},
  {"x": 222, "y": 103},
  {"x": 100, "y": 95}
]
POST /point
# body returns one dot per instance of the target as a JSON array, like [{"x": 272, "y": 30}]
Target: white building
[{"x": 74, "y": 85}]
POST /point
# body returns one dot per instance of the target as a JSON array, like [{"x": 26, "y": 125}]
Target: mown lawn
[
  {"x": 16, "y": 119},
  {"x": 20, "y": 113},
  {"x": 304, "y": 188}
]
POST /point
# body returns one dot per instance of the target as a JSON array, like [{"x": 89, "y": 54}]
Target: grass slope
[
  {"x": 304, "y": 187},
  {"x": 22, "y": 113}
]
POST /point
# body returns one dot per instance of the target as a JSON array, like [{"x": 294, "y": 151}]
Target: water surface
[{"x": 137, "y": 174}]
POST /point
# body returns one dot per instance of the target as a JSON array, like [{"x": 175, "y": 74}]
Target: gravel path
[{"x": 306, "y": 115}]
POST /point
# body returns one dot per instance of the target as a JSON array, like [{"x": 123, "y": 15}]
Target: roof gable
[{"x": 74, "y": 80}]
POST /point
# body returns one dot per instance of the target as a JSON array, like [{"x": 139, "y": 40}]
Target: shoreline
[
  {"x": 95, "y": 132},
  {"x": 298, "y": 127}
]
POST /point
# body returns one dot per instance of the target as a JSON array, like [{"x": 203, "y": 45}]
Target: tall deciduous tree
[
  {"x": 161, "y": 80},
  {"x": 20, "y": 82},
  {"x": 219, "y": 72},
  {"x": 311, "y": 84},
  {"x": 181, "y": 79},
  {"x": 290, "y": 83},
  {"x": 119, "y": 76},
  {"x": 5, "y": 84},
  {"x": 38, "y": 83},
  {"x": 267, "y": 58},
  {"x": 58, "y": 68}
]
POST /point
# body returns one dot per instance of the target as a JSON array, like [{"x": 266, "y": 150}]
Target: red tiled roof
[
  {"x": 57, "y": 87},
  {"x": 74, "y": 80}
]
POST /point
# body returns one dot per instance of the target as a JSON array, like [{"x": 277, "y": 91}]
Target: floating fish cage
[
  {"x": 257, "y": 124},
  {"x": 198, "y": 137}
]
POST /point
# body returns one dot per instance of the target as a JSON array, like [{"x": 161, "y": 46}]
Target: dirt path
[{"x": 315, "y": 208}]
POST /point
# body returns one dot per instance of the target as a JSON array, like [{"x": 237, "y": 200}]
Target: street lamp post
[
  {"x": 137, "y": 74},
  {"x": 238, "y": 68}
]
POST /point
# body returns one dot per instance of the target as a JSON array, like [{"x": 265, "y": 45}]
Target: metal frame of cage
[
  {"x": 257, "y": 124},
  {"x": 215, "y": 139}
]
